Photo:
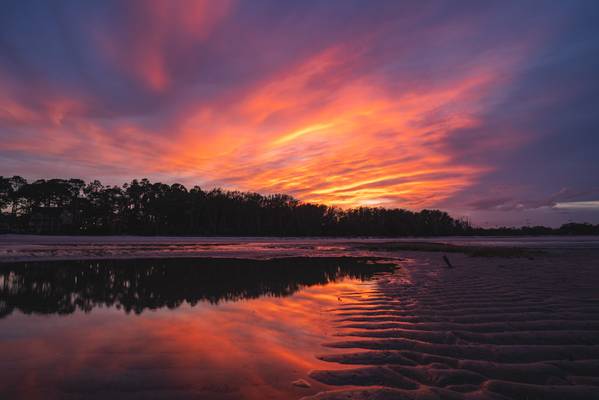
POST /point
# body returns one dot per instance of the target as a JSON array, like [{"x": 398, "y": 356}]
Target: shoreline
[{"x": 33, "y": 248}]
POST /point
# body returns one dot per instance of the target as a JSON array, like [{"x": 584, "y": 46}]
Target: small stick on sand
[{"x": 446, "y": 259}]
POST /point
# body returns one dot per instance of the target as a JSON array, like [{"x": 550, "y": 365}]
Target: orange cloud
[
  {"x": 327, "y": 129},
  {"x": 345, "y": 141},
  {"x": 344, "y": 103}
]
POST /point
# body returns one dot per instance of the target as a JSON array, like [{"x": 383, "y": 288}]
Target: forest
[{"x": 140, "y": 207}]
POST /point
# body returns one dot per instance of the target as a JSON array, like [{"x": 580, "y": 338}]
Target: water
[{"x": 173, "y": 328}]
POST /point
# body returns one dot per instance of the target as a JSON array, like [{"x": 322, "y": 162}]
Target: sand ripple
[{"x": 486, "y": 329}]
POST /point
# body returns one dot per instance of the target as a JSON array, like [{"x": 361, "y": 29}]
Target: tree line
[{"x": 140, "y": 207}]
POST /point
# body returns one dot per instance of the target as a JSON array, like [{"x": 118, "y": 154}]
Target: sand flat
[{"x": 490, "y": 328}]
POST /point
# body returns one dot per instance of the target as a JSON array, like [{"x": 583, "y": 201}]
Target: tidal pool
[{"x": 171, "y": 328}]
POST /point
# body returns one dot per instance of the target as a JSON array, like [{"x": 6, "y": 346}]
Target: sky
[{"x": 488, "y": 110}]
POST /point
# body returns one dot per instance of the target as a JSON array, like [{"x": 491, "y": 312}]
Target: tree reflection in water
[{"x": 62, "y": 287}]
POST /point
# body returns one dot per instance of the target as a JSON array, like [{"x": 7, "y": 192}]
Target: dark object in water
[{"x": 447, "y": 261}]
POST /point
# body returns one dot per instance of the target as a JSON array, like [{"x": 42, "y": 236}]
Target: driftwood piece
[{"x": 446, "y": 259}]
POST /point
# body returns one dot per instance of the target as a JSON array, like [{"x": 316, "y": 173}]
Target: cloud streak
[{"x": 346, "y": 104}]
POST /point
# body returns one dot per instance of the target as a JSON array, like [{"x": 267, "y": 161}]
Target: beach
[{"x": 299, "y": 318}]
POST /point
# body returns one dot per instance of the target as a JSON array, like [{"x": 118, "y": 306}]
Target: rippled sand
[{"x": 487, "y": 328}]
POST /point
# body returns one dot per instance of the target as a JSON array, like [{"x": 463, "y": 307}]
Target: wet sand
[
  {"x": 489, "y": 328},
  {"x": 16, "y": 248}
]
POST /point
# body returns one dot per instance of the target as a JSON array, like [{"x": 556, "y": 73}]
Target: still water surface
[{"x": 171, "y": 328}]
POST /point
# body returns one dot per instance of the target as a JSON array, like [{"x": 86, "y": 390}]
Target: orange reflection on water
[{"x": 252, "y": 349}]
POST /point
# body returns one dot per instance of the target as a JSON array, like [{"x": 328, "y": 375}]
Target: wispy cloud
[
  {"x": 347, "y": 104},
  {"x": 579, "y": 205}
]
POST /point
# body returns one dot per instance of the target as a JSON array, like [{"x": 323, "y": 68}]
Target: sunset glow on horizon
[{"x": 460, "y": 107}]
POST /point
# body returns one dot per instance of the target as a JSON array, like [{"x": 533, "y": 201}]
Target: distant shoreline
[
  {"x": 142, "y": 235},
  {"x": 29, "y": 248}
]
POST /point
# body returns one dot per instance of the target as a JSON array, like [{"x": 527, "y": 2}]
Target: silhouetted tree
[{"x": 142, "y": 207}]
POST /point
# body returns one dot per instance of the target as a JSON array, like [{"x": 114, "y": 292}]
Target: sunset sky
[{"x": 488, "y": 110}]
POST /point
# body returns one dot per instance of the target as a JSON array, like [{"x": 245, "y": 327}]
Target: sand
[{"x": 489, "y": 328}]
